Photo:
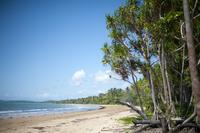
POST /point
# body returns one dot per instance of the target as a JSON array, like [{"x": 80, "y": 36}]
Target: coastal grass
[{"x": 127, "y": 120}]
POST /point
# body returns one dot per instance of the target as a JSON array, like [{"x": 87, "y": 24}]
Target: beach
[{"x": 104, "y": 120}]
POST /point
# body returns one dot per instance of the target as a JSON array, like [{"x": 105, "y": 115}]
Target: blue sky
[{"x": 50, "y": 49}]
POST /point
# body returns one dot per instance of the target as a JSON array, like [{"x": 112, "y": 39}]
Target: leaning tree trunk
[
  {"x": 171, "y": 103},
  {"x": 192, "y": 58},
  {"x": 155, "y": 113},
  {"x": 151, "y": 84},
  {"x": 146, "y": 54},
  {"x": 137, "y": 91}
]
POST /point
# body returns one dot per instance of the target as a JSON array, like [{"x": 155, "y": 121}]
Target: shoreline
[
  {"x": 103, "y": 119},
  {"x": 9, "y": 114}
]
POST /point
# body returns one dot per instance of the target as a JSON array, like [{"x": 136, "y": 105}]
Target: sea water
[{"x": 29, "y": 108}]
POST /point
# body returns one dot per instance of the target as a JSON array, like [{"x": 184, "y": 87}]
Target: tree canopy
[{"x": 152, "y": 38}]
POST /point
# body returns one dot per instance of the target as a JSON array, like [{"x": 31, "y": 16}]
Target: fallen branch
[
  {"x": 177, "y": 121},
  {"x": 147, "y": 122},
  {"x": 143, "y": 128},
  {"x": 186, "y": 124}
]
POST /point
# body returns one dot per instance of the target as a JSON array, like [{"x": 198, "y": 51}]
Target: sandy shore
[{"x": 105, "y": 120}]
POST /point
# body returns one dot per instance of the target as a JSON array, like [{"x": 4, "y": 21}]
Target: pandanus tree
[
  {"x": 131, "y": 49},
  {"x": 122, "y": 63}
]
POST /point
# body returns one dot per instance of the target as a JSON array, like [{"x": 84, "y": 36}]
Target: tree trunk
[
  {"x": 137, "y": 91},
  {"x": 155, "y": 113},
  {"x": 146, "y": 54},
  {"x": 150, "y": 78},
  {"x": 161, "y": 58},
  {"x": 130, "y": 105},
  {"x": 164, "y": 125},
  {"x": 171, "y": 103},
  {"x": 165, "y": 77},
  {"x": 192, "y": 58},
  {"x": 181, "y": 76}
]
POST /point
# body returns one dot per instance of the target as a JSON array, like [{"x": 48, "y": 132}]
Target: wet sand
[{"x": 105, "y": 120}]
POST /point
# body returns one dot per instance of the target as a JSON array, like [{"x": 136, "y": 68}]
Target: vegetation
[
  {"x": 158, "y": 39},
  {"x": 127, "y": 120},
  {"x": 112, "y": 96}
]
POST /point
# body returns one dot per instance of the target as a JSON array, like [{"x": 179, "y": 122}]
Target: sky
[{"x": 51, "y": 49}]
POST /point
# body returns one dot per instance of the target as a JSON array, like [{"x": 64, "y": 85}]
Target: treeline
[
  {"x": 112, "y": 96},
  {"x": 158, "y": 39}
]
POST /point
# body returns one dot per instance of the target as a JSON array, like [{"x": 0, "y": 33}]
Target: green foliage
[
  {"x": 130, "y": 119},
  {"x": 115, "y": 56},
  {"x": 146, "y": 95},
  {"x": 127, "y": 120},
  {"x": 138, "y": 31},
  {"x": 184, "y": 111},
  {"x": 112, "y": 96}
]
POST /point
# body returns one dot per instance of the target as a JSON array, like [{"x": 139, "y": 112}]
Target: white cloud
[
  {"x": 101, "y": 76},
  {"x": 78, "y": 77}
]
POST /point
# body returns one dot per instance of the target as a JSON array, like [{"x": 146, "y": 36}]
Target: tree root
[
  {"x": 161, "y": 123},
  {"x": 186, "y": 125}
]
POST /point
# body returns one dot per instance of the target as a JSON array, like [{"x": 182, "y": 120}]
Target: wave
[
  {"x": 34, "y": 110},
  {"x": 11, "y": 111},
  {"x": 42, "y": 111}
]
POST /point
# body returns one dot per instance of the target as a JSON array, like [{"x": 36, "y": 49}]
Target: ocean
[{"x": 28, "y": 108}]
